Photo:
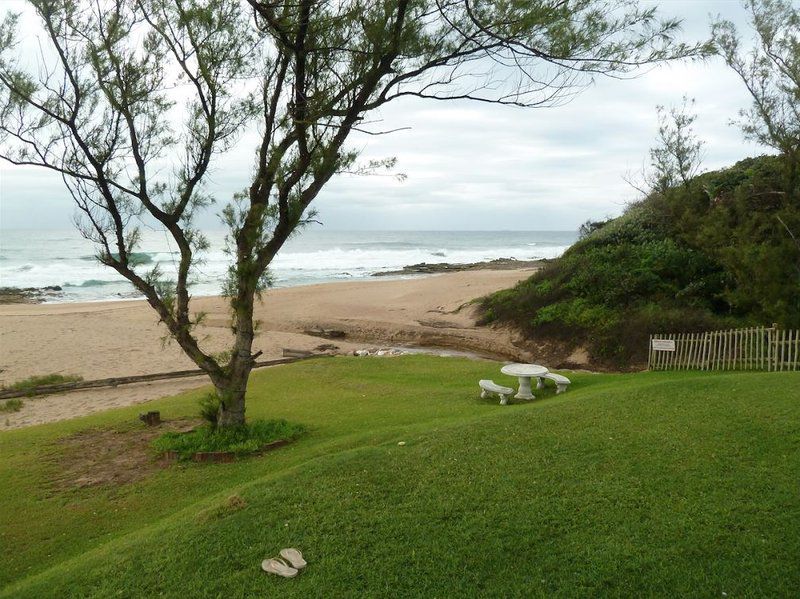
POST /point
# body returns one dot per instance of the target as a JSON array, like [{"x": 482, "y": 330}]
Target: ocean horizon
[{"x": 41, "y": 258}]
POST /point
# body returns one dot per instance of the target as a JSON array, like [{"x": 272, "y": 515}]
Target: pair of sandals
[{"x": 279, "y": 567}]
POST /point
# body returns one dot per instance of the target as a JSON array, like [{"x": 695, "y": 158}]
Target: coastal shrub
[
  {"x": 241, "y": 440},
  {"x": 591, "y": 226},
  {"x": 718, "y": 253},
  {"x": 11, "y": 405},
  {"x": 33, "y": 382}
]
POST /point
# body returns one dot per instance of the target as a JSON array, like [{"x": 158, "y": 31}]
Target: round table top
[{"x": 524, "y": 370}]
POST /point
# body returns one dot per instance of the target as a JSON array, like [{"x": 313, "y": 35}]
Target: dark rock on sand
[
  {"x": 28, "y": 295},
  {"x": 424, "y": 268}
]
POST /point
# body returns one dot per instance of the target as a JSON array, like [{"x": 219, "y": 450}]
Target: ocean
[{"x": 63, "y": 258}]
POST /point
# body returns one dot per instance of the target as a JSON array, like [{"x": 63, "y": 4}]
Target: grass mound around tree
[{"x": 240, "y": 441}]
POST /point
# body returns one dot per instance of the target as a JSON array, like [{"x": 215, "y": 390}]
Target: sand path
[{"x": 105, "y": 339}]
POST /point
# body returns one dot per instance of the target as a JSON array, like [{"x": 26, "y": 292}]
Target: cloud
[{"x": 476, "y": 166}]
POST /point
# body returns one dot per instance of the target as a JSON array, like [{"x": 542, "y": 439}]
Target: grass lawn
[{"x": 650, "y": 484}]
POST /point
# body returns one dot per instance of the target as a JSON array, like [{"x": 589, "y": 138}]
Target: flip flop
[
  {"x": 294, "y": 557},
  {"x": 276, "y": 566}
]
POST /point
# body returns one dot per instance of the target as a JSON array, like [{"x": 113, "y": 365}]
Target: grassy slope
[{"x": 656, "y": 483}]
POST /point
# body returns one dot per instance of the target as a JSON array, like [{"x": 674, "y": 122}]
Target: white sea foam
[{"x": 41, "y": 258}]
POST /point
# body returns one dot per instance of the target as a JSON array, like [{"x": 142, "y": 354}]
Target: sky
[{"x": 472, "y": 166}]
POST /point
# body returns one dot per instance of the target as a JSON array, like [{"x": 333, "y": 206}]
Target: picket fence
[{"x": 758, "y": 348}]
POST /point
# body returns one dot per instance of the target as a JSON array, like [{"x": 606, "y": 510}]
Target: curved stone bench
[
  {"x": 488, "y": 387},
  {"x": 561, "y": 382}
]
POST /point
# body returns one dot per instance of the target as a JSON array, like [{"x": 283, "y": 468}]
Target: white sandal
[
  {"x": 294, "y": 557},
  {"x": 278, "y": 567}
]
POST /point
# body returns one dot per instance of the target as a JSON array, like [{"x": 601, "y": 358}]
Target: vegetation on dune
[
  {"x": 699, "y": 252},
  {"x": 627, "y": 485},
  {"x": 711, "y": 253}
]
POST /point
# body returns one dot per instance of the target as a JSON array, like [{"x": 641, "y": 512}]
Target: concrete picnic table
[{"x": 524, "y": 372}]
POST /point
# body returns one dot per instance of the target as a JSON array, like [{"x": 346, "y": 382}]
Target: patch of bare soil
[{"x": 110, "y": 457}]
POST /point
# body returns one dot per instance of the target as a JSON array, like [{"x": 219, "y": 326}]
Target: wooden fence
[{"x": 759, "y": 348}]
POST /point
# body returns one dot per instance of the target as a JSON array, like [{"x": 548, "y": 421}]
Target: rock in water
[{"x": 28, "y": 295}]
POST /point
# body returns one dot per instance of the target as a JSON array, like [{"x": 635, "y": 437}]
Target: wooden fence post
[{"x": 783, "y": 347}]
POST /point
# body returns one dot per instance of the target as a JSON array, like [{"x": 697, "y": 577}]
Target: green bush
[
  {"x": 714, "y": 254},
  {"x": 242, "y": 440}
]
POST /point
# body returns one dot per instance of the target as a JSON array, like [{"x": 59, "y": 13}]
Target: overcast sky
[{"x": 479, "y": 167}]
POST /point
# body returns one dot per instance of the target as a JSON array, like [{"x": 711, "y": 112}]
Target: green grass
[
  {"x": 243, "y": 440},
  {"x": 33, "y": 382},
  {"x": 11, "y": 405},
  {"x": 649, "y": 484}
]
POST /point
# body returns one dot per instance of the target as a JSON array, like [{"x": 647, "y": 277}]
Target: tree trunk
[
  {"x": 231, "y": 407},
  {"x": 232, "y": 388},
  {"x": 793, "y": 186}
]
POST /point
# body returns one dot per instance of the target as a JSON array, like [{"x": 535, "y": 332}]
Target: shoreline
[
  {"x": 49, "y": 294},
  {"x": 122, "y": 338}
]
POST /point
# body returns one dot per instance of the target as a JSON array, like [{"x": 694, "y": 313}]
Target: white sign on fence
[{"x": 663, "y": 345}]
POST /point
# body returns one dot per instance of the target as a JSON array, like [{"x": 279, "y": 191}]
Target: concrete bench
[
  {"x": 488, "y": 387},
  {"x": 561, "y": 382}
]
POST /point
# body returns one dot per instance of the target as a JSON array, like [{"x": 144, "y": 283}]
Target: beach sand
[{"x": 109, "y": 339}]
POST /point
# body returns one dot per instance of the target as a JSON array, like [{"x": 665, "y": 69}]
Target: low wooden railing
[
  {"x": 756, "y": 348},
  {"x": 139, "y": 378}
]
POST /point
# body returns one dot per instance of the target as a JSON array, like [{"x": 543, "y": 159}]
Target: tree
[
  {"x": 676, "y": 158},
  {"x": 677, "y": 155},
  {"x": 591, "y": 226},
  {"x": 771, "y": 72},
  {"x": 136, "y": 97}
]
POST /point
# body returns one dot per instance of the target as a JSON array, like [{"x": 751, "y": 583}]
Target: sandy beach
[{"x": 109, "y": 339}]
